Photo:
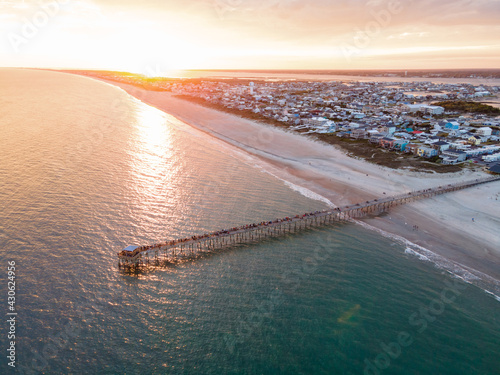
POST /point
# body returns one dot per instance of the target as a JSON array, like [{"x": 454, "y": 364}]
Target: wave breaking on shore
[{"x": 467, "y": 274}]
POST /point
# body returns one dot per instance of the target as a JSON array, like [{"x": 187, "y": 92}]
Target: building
[
  {"x": 413, "y": 108},
  {"x": 440, "y": 146},
  {"x": 388, "y": 130},
  {"x": 387, "y": 142},
  {"x": 412, "y": 148},
  {"x": 400, "y": 144},
  {"x": 427, "y": 152},
  {"x": 453, "y": 156},
  {"x": 359, "y": 133},
  {"x": 433, "y": 109},
  {"x": 452, "y": 125},
  {"x": 491, "y": 158},
  {"x": 375, "y": 138},
  {"x": 484, "y": 131},
  {"x": 430, "y": 109},
  {"x": 474, "y": 140}
]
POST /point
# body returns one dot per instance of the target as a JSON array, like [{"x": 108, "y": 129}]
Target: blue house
[
  {"x": 427, "y": 152},
  {"x": 400, "y": 144},
  {"x": 452, "y": 125}
]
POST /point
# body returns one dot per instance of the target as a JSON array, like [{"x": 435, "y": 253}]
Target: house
[
  {"x": 453, "y": 156},
  {"x": 484, "y": 131},
  {"x": 387, "y": 142},
  {"x": 491, "y": 158},
  {"x": 318, "y": 121},
  {"x": 452, "y": 125},
  {"x": 375, "y": 138},
  {"x": 433, "y": 109},
  {"x": 474, "y": 140},
  {"x": 388, "y": 130},
  {"x": 430, "y": 109},
  {"x": 413, "y": 108},
  {"x": 359, "y": 133},
  {"x": 440, "y": 146},
  {"x": 400, "y": 144},
  {"x": 426, "y": 152},
  {"x": 412, "y": 148}
]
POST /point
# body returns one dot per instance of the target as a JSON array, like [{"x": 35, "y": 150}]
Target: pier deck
[{"x": 133, "y": 258}]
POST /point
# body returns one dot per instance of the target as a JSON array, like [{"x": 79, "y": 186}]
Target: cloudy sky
[{"x": 145, "y": 35}]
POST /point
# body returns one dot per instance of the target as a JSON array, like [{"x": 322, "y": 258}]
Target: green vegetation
[{"x": 471, "y": 107}]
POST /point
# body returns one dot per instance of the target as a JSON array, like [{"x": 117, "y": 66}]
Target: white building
[
  {"x": 318, "y": 121},
  {"x": 490, "y": 158},
  {"x": 482, "y": 93},
  {"x": 484, "y": 131},
  {"x": 431, "y": 109}
]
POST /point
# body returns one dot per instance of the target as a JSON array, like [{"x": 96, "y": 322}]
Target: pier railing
[{"x": 191, "y": 247}]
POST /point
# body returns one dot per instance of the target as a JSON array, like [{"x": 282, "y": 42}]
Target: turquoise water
[{"x": 86, "y": 170}]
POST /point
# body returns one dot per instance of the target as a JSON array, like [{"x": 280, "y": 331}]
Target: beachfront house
[
  {"x": 440, "y": 146},
  {"x": 453, "y": 156},
  {"x": 400, "y": 144},
  {"x": 359, "y": 133},
  {"x": 375, "y": 138},
  {"x": 412, "y": 148},
  {"x": 387, "y": 142},
  {"x": 427, "y": 152}
]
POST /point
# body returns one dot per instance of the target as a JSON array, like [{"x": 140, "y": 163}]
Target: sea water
[{"x": 86, "y": 170}]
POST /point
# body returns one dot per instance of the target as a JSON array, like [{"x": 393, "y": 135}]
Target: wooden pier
[{"x": 134, "y": 258}]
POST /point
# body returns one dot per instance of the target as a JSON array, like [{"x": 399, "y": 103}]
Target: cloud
[{"x": 287, "y": 27}]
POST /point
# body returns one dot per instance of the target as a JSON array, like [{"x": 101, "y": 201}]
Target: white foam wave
[
  {"x": 308, "y": 193},
  {"x": 410, "y": 251},
  {"x": 468, "y": 275}
]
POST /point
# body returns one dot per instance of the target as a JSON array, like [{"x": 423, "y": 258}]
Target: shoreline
[
  {"x": 444, "y": 222},
  {"x": 351, "y": 147}
]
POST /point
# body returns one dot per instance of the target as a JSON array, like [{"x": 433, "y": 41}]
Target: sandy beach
[{"x": 445, "y": 224}]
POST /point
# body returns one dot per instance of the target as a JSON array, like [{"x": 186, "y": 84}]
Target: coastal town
[
  {"x": 400, "y": 117},
  {"x": 444, "y": 125}
]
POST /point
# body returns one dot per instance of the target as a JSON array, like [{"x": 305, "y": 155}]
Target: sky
[{"x": 154, "y": 36}]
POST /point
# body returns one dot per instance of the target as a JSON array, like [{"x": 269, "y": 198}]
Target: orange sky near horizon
[{"x": 155, "y": 36}]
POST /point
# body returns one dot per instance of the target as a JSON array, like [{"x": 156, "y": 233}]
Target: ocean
[{"x": 86, "y": 169}]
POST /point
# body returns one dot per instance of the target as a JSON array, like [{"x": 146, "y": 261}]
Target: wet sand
[{"x": 445, "y": 222}]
